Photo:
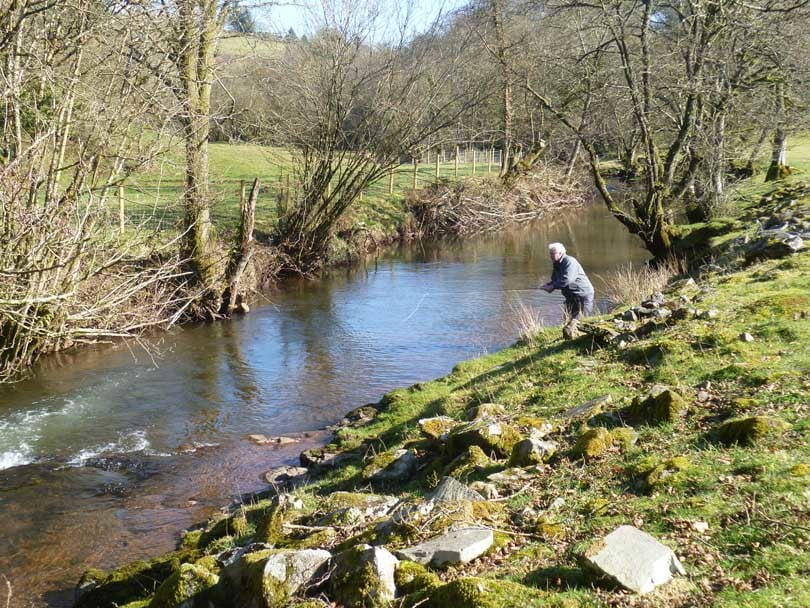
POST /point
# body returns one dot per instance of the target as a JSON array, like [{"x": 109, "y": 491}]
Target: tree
[
  {"x": 351, "y": 107},
  {"x": 241, "y": 20}
]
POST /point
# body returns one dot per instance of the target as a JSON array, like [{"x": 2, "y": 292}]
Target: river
[{"x": 107, "y": 453}]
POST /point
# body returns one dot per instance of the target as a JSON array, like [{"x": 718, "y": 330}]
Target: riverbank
[{"x": 715, "y": 466}]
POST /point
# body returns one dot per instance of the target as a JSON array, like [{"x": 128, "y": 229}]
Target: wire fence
[{"x": 157, "y": 203}]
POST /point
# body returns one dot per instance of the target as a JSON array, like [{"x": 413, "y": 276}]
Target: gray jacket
[{"x": 569, "y": 277}]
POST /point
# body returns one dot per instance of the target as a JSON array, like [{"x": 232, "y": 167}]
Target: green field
[{"x": 154, "y": 197}]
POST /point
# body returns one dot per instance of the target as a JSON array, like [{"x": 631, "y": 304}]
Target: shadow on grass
[{"x": 557, "y": 578}]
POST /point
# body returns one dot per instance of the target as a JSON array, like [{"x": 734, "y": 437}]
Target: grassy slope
[{"x": 754, "y": 499}]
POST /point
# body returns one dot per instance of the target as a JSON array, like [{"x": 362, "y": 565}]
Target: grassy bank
[{"x": 720, "y": 473}]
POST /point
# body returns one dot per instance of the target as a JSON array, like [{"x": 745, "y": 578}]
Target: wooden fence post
[
  {"x": 415, "y": 168},
  {"x": 121, "y": 208},
  {"x": 391, "y": 181},
  {"x": 455, "y": 166},
  {"x": 490, "y": 158},
  {"x": 473, "y": 162},
  {"x": 437, "y": 167}
]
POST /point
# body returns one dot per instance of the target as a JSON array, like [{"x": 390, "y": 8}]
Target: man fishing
[{"x": 569, "y": 277}]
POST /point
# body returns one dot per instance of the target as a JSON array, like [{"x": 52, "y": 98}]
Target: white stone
[
  {"x": 634, "y": 559},
  {"x": 454, "y": 547}
]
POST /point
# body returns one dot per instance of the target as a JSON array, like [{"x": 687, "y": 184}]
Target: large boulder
[
  {"x": 363, "y": 576},
  {"x": 748, "y": 431},
  {"x": 451, "y": 490},
  {"x": 436, "y": 428},
  {"x": 633, "y": 559}
]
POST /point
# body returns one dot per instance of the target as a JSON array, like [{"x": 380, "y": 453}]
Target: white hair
[{"x": 557, "y": 248}]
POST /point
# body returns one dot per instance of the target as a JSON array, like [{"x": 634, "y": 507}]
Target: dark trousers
[{"x": 579, "y": 306}]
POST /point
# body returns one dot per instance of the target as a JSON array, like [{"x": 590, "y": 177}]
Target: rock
[
  {"x": 361, "y": 415},
  {"x": 629, "y": 315},
  {"x": 512, "y": 476},
  {"x": 455, "y": 547},
  {"x": 634, "y": 559},
  {"x": 436, "y": 428},
  {"x": 709, "y": 314},
  {"x": 703, "y": 396},
  {"x": 487, "y": 490},
  {"x": 485, "y": 410},
  {"x": 275, "y": 441},
  {"x": 571, "y": 330},
  {"x": 660, "y": 404},
  {"x": 667, "y": 473},
  {"x": 773, "y": 244},
  {"x": 412, "y": 577},
  {"x": 352, "y": 508},
  {"x": 287, "y": 478},
  {"x": 534, "y": 426},
  {"x": 319, "y": 458},
  {"x": 589, "y": 408},
  {"x": 242, "y": 308},
  {"x": 468, "y": 462},
  {"x": 390, "y": 466},
  {"x": 185, "y": 588},
  {"x": 362, "y": 575},
  {"x": 748, "y": 431},
  {"x": 286, "y": 572},
  {"x": 451, "y": 490},
  {"x": 624, "y": 437},
  {"x": 490, "y": 435},
  {"x": 746, "y": 337},
  {"x": 531, "y": 451},
  {"x": 593, "y": 443}
]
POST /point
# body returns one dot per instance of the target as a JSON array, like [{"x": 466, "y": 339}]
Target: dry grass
[
  {"x": 527, "y": 320},
  {"x": 631, "y": 284}
]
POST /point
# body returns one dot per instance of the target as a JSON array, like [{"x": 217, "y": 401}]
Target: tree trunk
[
  {"x": 201, "y": 24},
  {"x": 507, "y": 155},
  {"x": 779, "y": 168}
]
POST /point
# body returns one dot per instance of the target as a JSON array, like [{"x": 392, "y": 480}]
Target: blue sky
[{"x": 280, "y": 19}]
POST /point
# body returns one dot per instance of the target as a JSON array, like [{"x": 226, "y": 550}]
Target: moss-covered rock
[
  {"x": 189, "y": 586},
  {"x": 411, "y": 577},
  {"x": 490, "y": 435},
  {"x": 270, "y": 528},
  {"x": 363, "y": 576},
  {"x": 748, "y": 431},
  {"x": 593, "y": 443},
  {"x": 624, "y": 436},
  {"x": 549, "y": 529},
  {"x": 484, "y": 593},
  {"x": 467, "y": 462},
  {"x": 437, "y": 427},
  {"x": 661, "y": 404},
  {"x": 800, "y": 470},
  {"x": 669, "y": 472},
  {"x": 131, "y": 582},
  {"x": 393, "y": 465},
  {"x": 485, "y": 410},
  {"x": 528, "y": 452}
]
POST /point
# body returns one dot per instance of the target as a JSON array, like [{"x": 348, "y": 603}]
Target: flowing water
[{"x": 106, "y": 454}]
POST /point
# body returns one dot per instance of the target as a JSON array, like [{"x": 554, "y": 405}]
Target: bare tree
[
  {"x": 352, "y": 106},
  {"x": 72, "y": 101}
]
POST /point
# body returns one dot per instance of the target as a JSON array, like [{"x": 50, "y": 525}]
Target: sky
[{"x": 279, "y": 19}]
